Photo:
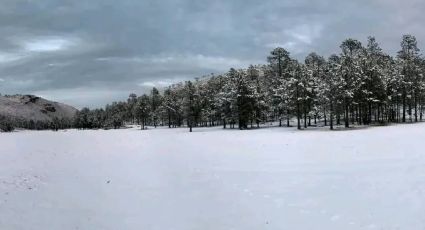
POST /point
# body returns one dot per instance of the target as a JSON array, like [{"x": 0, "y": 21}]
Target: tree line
[
  {"x": 360, "y": 86},
  {"x": 8, "y": 124}
]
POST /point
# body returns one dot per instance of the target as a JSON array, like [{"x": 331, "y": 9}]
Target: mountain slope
[{"x": 29, "y": 107}]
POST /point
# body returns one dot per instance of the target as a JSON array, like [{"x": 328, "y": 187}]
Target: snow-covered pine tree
[
  {"x": 189, "y": 104},
  {"x": 409, "y": 60},
  {"x": 156, "y": 100},
  {"x": 279, "y": 61},
  {"x": 351, "y": 73},
  {"x": 142, "y": 109},
  {"x": 315, "y": 69}
]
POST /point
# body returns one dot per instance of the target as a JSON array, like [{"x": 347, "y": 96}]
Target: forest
[{"x": 361, "y": 86}]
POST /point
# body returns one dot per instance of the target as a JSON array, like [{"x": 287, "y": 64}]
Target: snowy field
[{"x": 214, "y": 179}]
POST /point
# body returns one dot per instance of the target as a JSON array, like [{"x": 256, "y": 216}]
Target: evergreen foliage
[{"x": 360, "y": 86}]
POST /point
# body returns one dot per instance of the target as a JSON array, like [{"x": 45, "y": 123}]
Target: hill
[{"x": 30, "y": 107}]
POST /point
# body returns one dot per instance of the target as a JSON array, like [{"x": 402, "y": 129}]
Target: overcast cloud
[{"x": 91, "y": 52}]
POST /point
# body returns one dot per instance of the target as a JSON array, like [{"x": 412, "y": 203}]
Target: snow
[{"x": 276, "y": 178}]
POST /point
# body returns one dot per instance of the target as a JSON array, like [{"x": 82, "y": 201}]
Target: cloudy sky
[{"x": 90, "y": 52}]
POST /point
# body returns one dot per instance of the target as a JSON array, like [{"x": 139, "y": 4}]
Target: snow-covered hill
[
  {"x": 29, "y": 107},
  {"x": 158, "y": 179}
]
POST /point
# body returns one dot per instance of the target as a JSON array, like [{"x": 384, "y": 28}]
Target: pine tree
[
  {"x": 350, "y": 63},
  {"x": 278, "y": 60},
  {"x": 409, "y": 61},
  {"x": 314, "y": 67},
  {"x": 190, "y": 103},
  {"x": 142, "y": 109},
  {"x": 277, "y": 72},
  {"x": 155, "y": 104}
]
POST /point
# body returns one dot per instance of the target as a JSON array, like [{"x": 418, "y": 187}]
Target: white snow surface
[{"x": 275, "y": 178}]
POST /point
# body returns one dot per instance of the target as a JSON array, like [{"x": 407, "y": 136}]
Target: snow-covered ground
[{"x": 276, "y": 178}]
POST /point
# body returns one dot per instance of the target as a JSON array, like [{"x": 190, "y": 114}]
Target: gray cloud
[{"x": 91, "y": 52}]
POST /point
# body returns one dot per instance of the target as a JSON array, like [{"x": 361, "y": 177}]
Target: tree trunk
[
  {"x": 324, "y": 114},
  {"x": 347, "y": 123},
  {"x": 169, "y": 120},
  {"x": 298, "y": 116},
  {"x": 404, "y": 108},
  {"x": 331, "y": 117},
  {"x": 287, "y": 118},
  {"x": 338, "y": 118},
  {"x": 416, "y": 109},
  {"x": 369, "y": 119},
  {"x": 360, "y": 115}
]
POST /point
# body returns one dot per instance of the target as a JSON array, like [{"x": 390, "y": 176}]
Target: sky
[{"x": 93, "y": 52}]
